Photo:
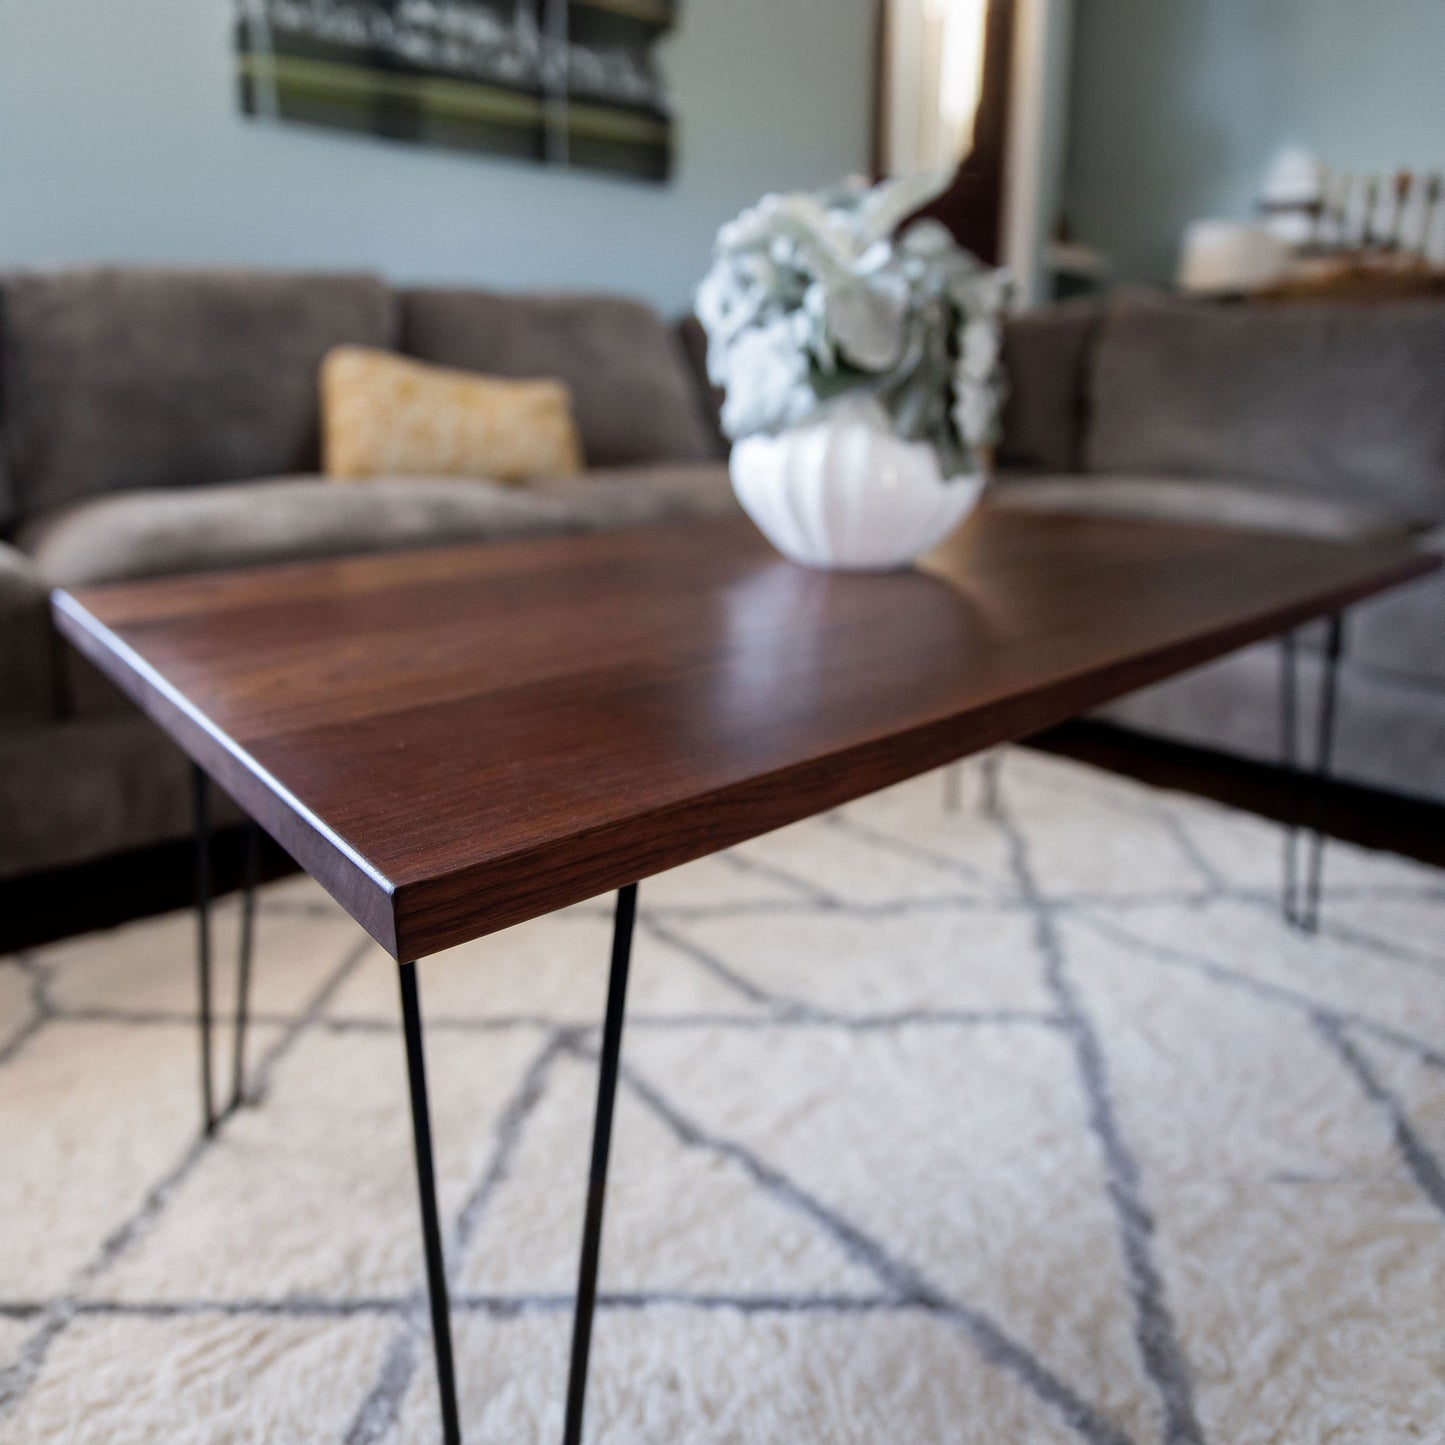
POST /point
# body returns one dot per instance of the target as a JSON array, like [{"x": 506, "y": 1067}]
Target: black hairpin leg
[
  {"x": 953, "y": 788},
  {"x": 251, "y": 878},
  {"x": 201, "y": 814},
  {"x": 1324, "y": 759},
  {"x": 990, "y": 764},
  {"x": 436, "y": 1275},
  {"x": 1289, "y": 758},
  {"x": 992, "y": 767},
  {"x": 597, "y": 1176},
  {"x": 1304, "y": 913}
]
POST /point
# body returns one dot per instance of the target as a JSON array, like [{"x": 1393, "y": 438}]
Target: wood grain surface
[{"x": 455, "y": 741}]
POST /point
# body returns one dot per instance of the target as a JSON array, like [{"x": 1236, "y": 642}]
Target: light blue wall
[
  {"x": 1178, "y": 106},
  {"x": 120, "y": 140}
]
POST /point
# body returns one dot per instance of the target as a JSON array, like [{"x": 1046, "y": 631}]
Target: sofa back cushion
[
  {"x": 690, "y": 334},
  {"x": 632, "y": 396},
  {"x": 1334, "y": 399},
  {"x": 118, "y": 378},
  {"x": 7, "y": 492},
  {"x": 1045, "y": 360}
]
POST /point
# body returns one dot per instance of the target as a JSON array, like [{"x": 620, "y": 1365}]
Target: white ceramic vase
[{"x": 843, "y": 491}]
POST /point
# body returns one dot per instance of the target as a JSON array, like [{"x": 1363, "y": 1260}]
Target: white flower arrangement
[{"x": 812, "y": 297}]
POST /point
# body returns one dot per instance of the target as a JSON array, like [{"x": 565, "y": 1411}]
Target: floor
[{"x": 1033, "y": 1125}]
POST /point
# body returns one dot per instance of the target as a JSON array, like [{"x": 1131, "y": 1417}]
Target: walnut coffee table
[{"x": 454, "y": 741}]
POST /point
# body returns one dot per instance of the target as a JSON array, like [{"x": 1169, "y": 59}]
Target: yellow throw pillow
[{"x": 387, "y": 415}]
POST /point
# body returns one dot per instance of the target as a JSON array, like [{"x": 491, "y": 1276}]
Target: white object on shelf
[
  {"x": 1432, "y": 247},
  {"x": 843, "y": 491},
  {"x": 1412, "y": 231},
  {"x": 1230, "y": 256},
  {"x": 1294, "y": 191}
]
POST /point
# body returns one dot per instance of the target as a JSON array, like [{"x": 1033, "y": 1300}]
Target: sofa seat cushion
[
  {"x": 1402, "y": 633},
  {"x": 286, "y": 519},
  {"x": 610, "y": 497},
  {"x": 1212, "y": 503},
  {"x": 1328, "y": 399},
  {"x": 27, "y": 643},
  {"x": 290, "y": 519},
  {"x": 136, "y": 377},
  {"x": 632, "y": 392},
  {"x": 148, "y": 534},
  {"x": 1388, "y": 735}
]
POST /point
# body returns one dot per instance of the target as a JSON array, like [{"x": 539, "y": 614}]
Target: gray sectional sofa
[
  {"x": 1318, "y": 418},
  {"x": 158, "y": 421}
]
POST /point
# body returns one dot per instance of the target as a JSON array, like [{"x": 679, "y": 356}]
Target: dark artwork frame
[{"x": 556, "y": 82}]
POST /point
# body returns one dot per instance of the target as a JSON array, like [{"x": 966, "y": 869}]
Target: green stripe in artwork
[
  {"x": 455, "y": 99},
  {"x": 449, "y": 99},
  {"x": 618, "y": 125}
]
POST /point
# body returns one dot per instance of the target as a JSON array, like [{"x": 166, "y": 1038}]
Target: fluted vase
[{"x": 844, "y": 491}]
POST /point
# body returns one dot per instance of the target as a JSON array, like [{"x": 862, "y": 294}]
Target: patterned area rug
[{"x": 934, "y": 1126}]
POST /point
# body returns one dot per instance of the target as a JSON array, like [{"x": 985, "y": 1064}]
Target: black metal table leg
[
  {"x": 436, "y": 1275},
  {"x": 201, "y": 814},
  {"x": 1324, "y": 759},
  {"x": 990, "y": 765},
  {"x": 200, "y": 808},
  {"x": 1305, "y": 914},
  {"x": 953, "y": 788},
  {"x": 597, "y": 1176},
  {"x": 990, "y": 773},
  {"x": 251, "y": 878},
  {"x": 1289, "y": 756}
]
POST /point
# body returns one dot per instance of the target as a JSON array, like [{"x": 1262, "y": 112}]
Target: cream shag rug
[{"x": 934, "y": 1127}]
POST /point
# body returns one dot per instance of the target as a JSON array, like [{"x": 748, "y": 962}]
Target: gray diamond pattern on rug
[{"x": 1028, "y": 1125}]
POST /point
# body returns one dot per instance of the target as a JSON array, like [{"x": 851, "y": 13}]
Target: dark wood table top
[{"x": 455, "y": 741}]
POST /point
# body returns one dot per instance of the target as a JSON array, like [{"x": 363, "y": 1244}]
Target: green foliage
[{"x": 814, "y": 296}]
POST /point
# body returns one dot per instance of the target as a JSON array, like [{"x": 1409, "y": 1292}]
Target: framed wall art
[{"x": 557, "y": 82}]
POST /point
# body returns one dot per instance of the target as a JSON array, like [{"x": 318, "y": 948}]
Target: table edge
[
  {"x": 420, "y": 906},
  {"x": 413, "y": 919},
  {"x": 344, "y": 872}
]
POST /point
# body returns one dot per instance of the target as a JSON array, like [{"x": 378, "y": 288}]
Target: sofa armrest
[{"x": 27, "y": 642}]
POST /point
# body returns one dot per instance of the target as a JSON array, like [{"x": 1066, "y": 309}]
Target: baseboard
[
  {"x": 1370, "y": 817},
  {"x": 65, "y": 902}
]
